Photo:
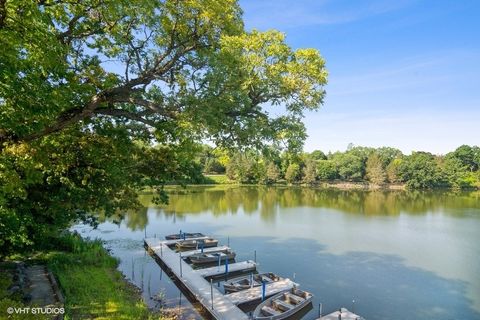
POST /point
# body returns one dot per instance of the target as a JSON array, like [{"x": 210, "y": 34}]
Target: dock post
[
  {"x": 320, "y": 310},
  {"x": 181, "y": 274},
  {"x": 263, "y": 290},
  {"x": 211, "y": 291},
  {"x": 353, "y": 305},
  {"x": 133, "y": 270},
  {"x": 201, "y": 246},
  {"x": 294, "y": 275}
]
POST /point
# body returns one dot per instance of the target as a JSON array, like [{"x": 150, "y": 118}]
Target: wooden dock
[
  {"x": 216, "y": 303},
  {"x": 342, "y": 314},
  {"x": 220, "y": 306}
]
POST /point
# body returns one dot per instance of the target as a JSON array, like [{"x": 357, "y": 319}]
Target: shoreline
[
  {"x": 221, "y": 179},
  {"x": 89, "y": 280}
]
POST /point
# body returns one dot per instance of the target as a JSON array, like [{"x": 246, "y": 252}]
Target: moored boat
[
  {"x": 200, "y": 258},
  {"x": 195, "y": 244},
  {"x": 247, "y": 282},
  {"x": 184, "y": 235},
  {"x": 282, "y": 305}
]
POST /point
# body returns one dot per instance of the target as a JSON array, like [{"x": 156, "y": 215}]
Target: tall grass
[{"x": 92, "y": 285}]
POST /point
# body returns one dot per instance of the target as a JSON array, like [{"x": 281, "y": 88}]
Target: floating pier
[
  {"x": 220, "y": 306},
  {"x": 342, "y": 314},
  {"x": 215, "y": 302}
]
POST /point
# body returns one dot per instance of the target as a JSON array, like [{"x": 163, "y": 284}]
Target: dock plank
[
  {"x": 344, "y": 313},
  {"x": 223, "y": 308}
]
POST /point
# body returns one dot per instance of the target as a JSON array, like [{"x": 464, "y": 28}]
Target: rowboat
[
  {"x": 194, "y": 244},
  {"x": 282, "y": 305},
  {"x": 247, "y": 282},
  {"x": 184, "y": 235},
  {"x": 200, "y": 258}
]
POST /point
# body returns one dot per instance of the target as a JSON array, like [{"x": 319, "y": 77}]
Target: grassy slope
[{"x": 92, "y": 286}]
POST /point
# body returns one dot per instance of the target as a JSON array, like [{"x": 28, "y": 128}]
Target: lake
[{"x": 396, "y": 254}]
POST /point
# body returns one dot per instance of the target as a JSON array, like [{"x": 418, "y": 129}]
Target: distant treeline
[{"x": 378, "y": 166}]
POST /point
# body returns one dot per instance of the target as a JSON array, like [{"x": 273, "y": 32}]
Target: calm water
[{"x": 399, "y": 255}]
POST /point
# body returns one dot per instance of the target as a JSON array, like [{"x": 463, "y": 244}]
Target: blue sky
[{"x": 403, "y": 73}]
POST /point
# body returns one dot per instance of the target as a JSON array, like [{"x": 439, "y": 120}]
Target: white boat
[
  {"x": 250, "y": 281},
  {"x": 196, "y": 244},
  {"x": 282, "y": 305},
  {"x": 200, "y": 258}
]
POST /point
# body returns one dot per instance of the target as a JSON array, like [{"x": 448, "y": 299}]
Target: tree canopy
[{"x": 99, "y": 98}]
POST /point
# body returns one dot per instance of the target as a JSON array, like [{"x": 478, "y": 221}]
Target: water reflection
[
  {"x": 267, "y": 201},
  {"x": 400, "y": 255}
]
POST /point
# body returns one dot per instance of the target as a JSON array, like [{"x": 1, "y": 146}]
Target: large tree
[{"x": 88, "y": 88}]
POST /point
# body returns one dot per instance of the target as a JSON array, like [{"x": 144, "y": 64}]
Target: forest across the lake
[{"x": 356, "y": 167}]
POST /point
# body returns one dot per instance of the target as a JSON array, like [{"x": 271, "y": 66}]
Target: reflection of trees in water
[
  {"x": 137, "y": 220},
  {"x": 134, "y": 219},
  {"x": 266, "y": 200}
]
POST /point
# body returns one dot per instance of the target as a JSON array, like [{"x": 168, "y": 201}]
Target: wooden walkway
[{"x": 220, "y": 307}]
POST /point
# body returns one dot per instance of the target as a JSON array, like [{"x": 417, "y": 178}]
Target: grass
[
  {"x": 92, "y": 286},
  {"x": 91, "y": 283},
  {"x": 218, "y": 179}
]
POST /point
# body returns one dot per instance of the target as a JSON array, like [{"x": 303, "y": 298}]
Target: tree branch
[
  {"x": 68, "y": 118},
  {"x": 124, "y": 114}
]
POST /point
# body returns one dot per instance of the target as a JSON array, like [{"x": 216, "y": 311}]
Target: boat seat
[
  {"x": 294, "y": 298},
  {"x": 283, "y": 305},
  {"x": 270, "y": 311}
]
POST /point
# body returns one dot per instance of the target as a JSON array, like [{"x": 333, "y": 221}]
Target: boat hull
[
  {"x": 194, "y": 244},
  {"x": 244, "y": 283},
  {"x": 211, "y": 258},
  {"x": 258, "y": 313}
]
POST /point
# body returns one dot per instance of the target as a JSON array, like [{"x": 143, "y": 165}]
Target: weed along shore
[{"x": 88, "y": 278}]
